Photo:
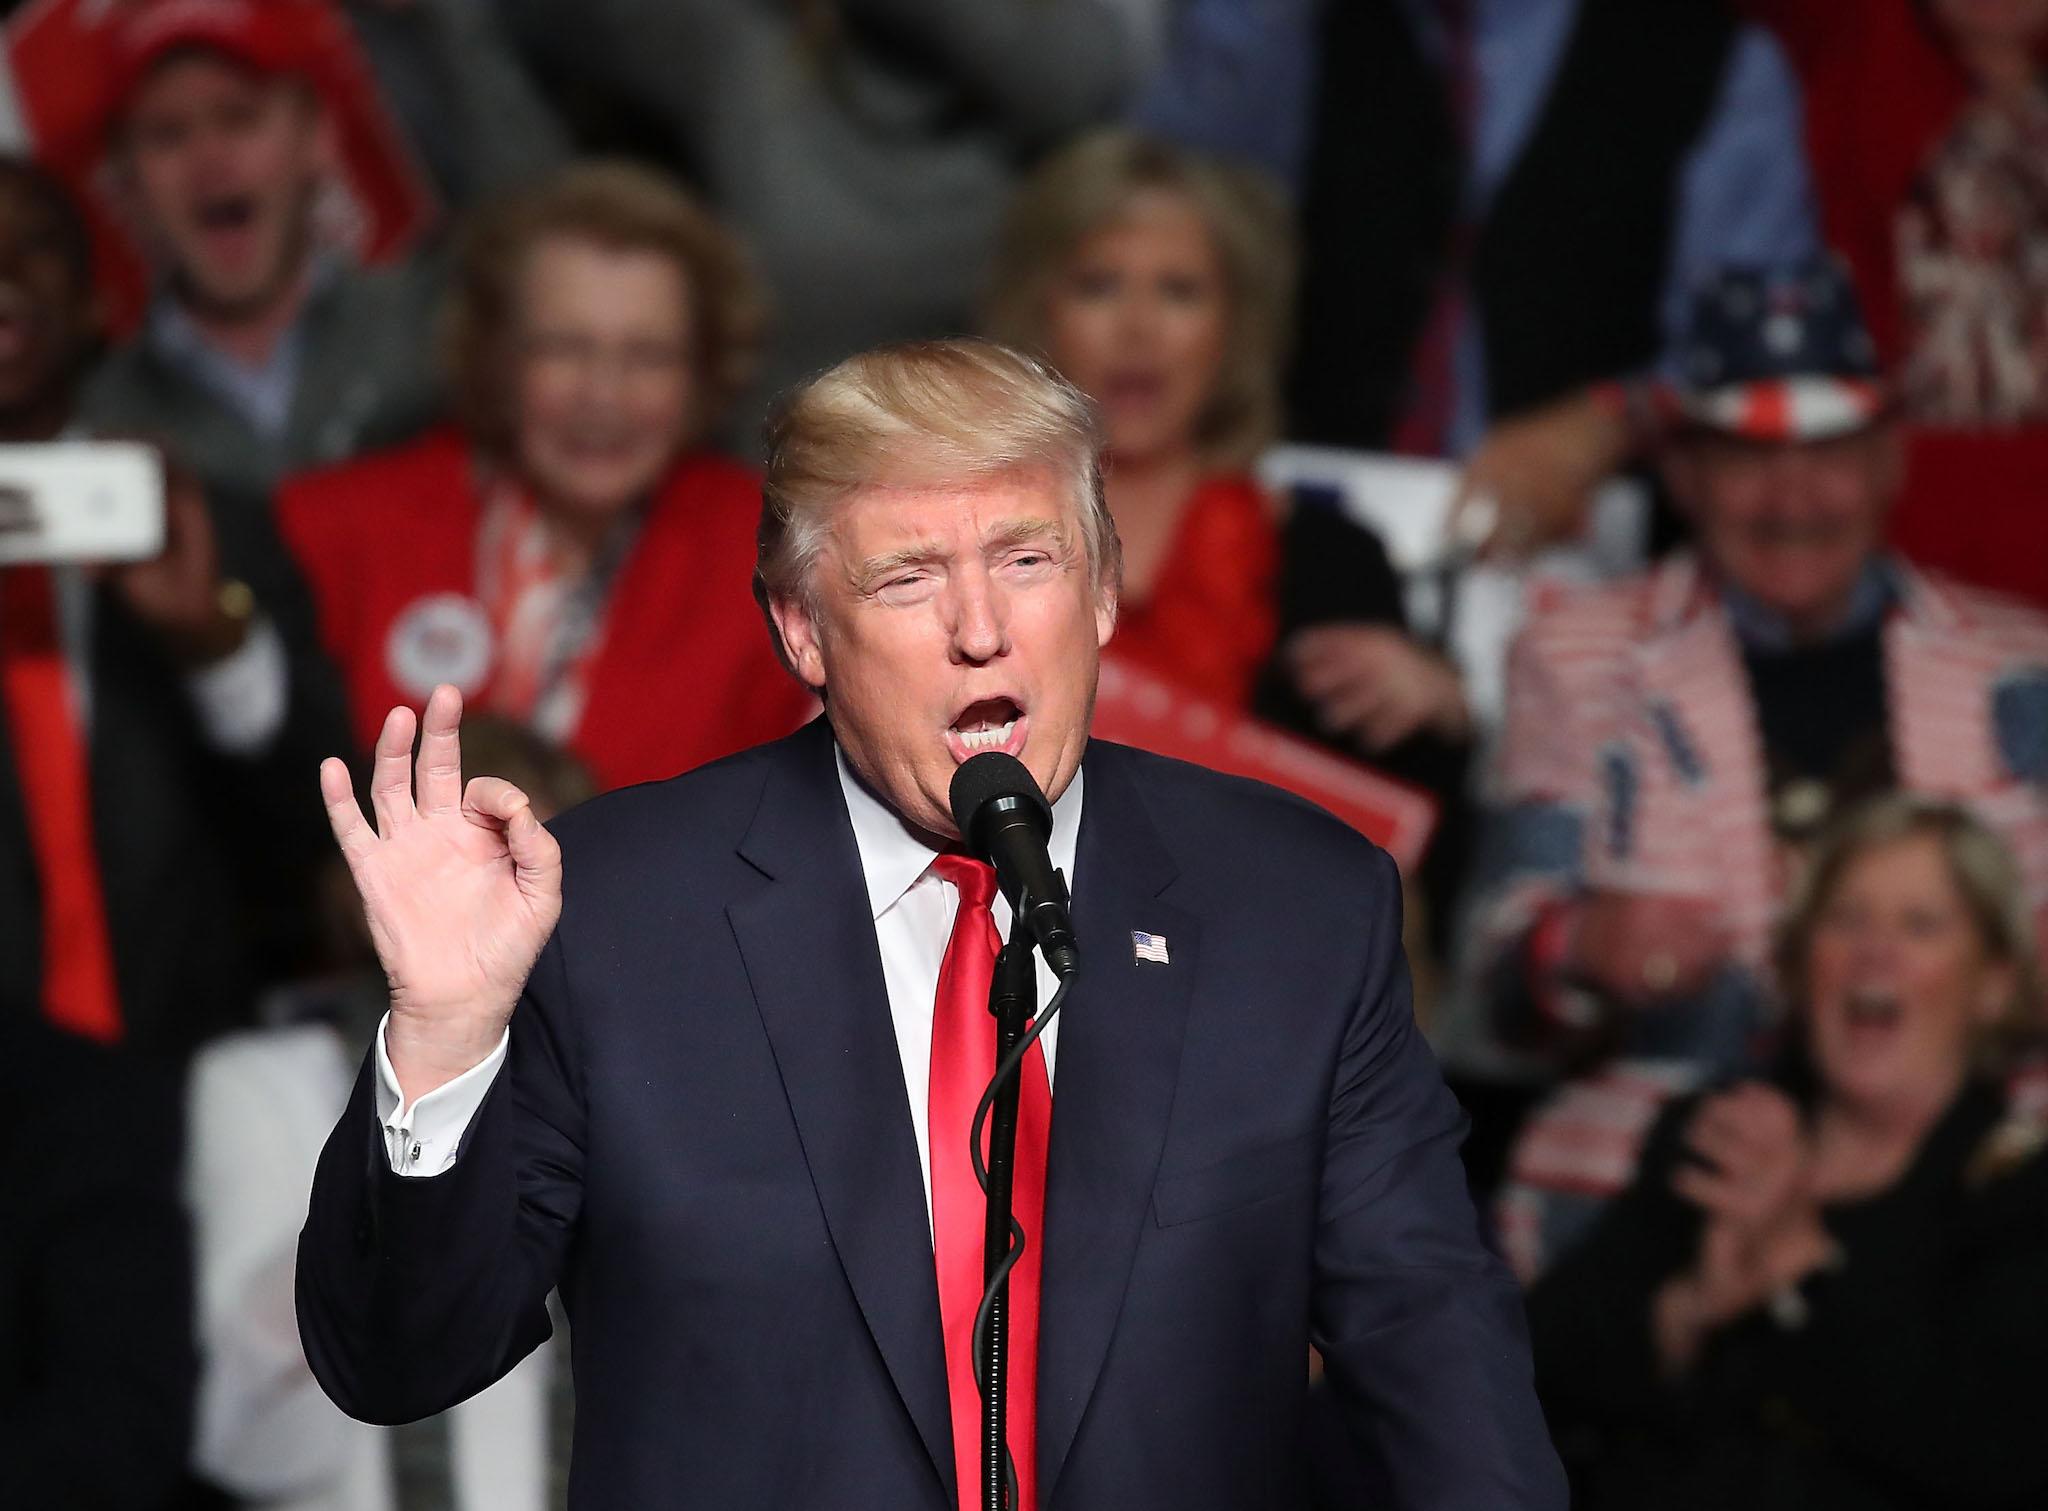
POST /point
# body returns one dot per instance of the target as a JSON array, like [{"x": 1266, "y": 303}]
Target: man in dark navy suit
[{"x": 729, "y": 1115}]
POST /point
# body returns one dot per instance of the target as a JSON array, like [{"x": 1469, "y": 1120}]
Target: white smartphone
[{"x": 80, "y": 501}]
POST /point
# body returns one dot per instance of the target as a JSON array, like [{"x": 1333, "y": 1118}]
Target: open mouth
[
  {"x": 997, "y": 723},
  {"x": 598, "y": 446},
  {"x": 227, "y": 212},
  {"x": 1872, "y": 1009}
]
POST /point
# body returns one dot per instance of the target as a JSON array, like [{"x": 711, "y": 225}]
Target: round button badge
[{"x": 442, "y": 638}]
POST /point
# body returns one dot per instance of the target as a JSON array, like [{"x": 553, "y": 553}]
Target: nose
[
  {"x": 980, "y": 627},
  {"x": 1790, "y": 475},
  {"x": 600, "y": 377},
  {"x": 1138, "y": 318},
  {"x": 214, "y": 149},
  {"x": 1874, "y": 954}
]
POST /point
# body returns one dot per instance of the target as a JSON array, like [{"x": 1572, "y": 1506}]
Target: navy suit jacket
[{"x": 702, "y": 1137}]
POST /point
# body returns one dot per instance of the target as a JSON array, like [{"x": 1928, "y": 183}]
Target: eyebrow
[
  {"x": 1004, "y": 536},
  {"x": 1018, "y": 532},
  {"x": 863, "y": 574}
]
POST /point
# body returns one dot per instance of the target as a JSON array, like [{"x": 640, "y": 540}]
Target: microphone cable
[{"x": 1010, "y": 1066}]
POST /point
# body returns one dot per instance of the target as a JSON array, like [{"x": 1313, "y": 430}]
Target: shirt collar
[
  {"x": 894, "y": 856},
  {"x": 176, "y": 335},
  {"x": 1762, "y": 629}
]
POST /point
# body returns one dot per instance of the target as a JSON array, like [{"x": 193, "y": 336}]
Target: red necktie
[
  {"x": 56, "y": 797},
  {"x": 963, "y": 1059}
]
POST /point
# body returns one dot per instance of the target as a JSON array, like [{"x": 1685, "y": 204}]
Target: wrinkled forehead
[
  {"x": 953, "y": 517},
  {"x": 198, "y": 70},
  {"x": 1913, "y": 868},
  {"x": 576, "y": 280},
  {"x": 1735, "y": 452}
]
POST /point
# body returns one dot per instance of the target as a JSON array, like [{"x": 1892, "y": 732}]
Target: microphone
[{"x": 1006, "y": 821}]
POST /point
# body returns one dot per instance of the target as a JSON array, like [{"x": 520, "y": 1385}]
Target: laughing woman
[
  {"x": 568, "y": 555},
  {"x": 1828, "y": 1290}
]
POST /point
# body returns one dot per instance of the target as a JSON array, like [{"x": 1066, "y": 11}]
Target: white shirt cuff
[
  {"x": 423, "y": 1139},
  {"x": 242, "y": 698}
]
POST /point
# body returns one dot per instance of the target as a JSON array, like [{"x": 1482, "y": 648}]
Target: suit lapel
[
  {"x": 816, "y": 973},
  {"x": 1704, "y": 821},
  {"x": 1120, "y": 1035}
]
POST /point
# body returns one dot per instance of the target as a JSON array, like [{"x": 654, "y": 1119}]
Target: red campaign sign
[
  {"x": 1136, "y": 708},
  {"x": 60, "y": 59}
]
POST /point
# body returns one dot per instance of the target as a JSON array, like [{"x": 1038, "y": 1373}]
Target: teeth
[{"x": 990, "y": 738}]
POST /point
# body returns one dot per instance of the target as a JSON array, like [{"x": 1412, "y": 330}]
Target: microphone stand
[{"x": 1012, "y": 1001}]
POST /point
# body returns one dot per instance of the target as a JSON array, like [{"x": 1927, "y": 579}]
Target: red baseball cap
[{"x": 266, "y": 38}]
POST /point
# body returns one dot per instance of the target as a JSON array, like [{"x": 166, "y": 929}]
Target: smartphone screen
[{"x": 80, "y": 501}]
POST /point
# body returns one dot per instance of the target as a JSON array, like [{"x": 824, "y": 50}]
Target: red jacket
[
  {"x": 684, "y": 672},
  {"x": 1210, "y": 620}
]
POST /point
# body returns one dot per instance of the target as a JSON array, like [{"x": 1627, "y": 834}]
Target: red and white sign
[{"x": 1135, "y": 708}]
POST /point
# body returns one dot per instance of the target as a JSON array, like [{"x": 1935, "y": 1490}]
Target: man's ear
[
  {"x": 1105, "y": 615},
  {"x": 801, "y": 646}
]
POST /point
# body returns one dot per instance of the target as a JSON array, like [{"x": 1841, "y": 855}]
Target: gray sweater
[
  {"x": 866, "y": 168},
  {"x": 365, "y": 379}
]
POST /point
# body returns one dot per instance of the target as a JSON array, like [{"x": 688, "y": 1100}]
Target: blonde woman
[
  {"x": 1825, "y": 1289},
  {"x": 1161, "y": 283}
]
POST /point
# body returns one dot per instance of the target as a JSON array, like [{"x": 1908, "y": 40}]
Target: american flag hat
[{"x": 1779, "y": 354}]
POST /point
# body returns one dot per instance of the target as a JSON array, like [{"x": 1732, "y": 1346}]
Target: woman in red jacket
[
  {"x": 565, "y": 554},
  {"x": 1159, "y": 283}
]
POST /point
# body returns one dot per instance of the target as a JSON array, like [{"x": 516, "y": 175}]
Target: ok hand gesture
[{"x": 461, "y": 888}]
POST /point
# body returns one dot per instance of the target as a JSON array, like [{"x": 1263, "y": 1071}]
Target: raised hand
[
  {"x": 1376, "y": 685},
  {"x": 461, "y": 889},
  {"x": 1749, "y": 1174},
  {"x": 177, "y": 593},
  {"x": 1530, "y": 481},
  {"x": 1752, "y": 1159}
]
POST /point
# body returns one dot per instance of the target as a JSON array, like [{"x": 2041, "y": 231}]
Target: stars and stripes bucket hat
[{"x": 1779, "y": 354}]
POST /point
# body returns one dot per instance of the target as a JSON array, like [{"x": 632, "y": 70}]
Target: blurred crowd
[{"x": 456, "y": 322}]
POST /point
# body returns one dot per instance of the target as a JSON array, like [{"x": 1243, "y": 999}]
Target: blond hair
[
  {"x": 1093, "y": 183},
  {"x": 921, "y": 414},
  {"x": 621, "y": 207},
  {"x": 1981, "y": 868}
]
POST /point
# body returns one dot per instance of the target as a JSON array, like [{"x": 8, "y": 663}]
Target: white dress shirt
[{"x": 913, "y": 911}]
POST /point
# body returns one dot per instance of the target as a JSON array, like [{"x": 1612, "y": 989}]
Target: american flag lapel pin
[{"x": 1150, "y": 947}]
